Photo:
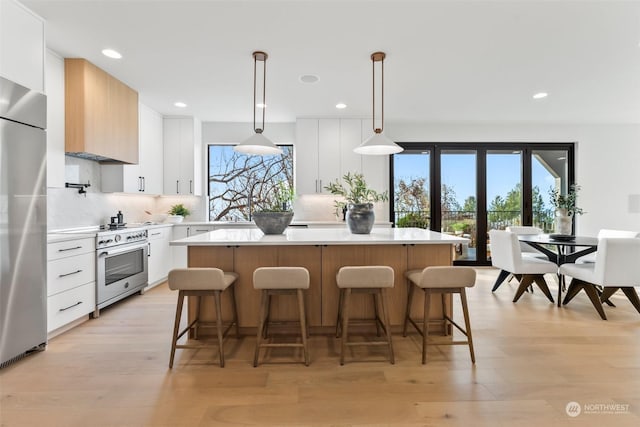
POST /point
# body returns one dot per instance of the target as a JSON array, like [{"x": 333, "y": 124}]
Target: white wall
[{"x": 607, "y": 161}]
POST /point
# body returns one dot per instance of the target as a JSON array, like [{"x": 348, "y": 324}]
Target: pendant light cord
[
  {"x": 378, "y": 57},
  {"x": 264, "y": 87}
]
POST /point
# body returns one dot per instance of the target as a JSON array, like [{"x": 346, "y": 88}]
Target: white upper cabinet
[
  {"x": 21, "y": 45},
  {"x": 54, "y": 87},
  {"x": 324, "y": 153},
  {"x": 182, "y": 156},
  {"x": 146, "y": 177}
]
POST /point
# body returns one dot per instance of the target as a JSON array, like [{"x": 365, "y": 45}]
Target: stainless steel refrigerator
[{"x": 23, "y": 222}]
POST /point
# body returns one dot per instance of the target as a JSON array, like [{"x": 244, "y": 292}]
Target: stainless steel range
[{"x": 121, "y": 268}]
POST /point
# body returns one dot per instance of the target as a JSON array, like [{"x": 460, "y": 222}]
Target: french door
[{"x": 467, "y": 189}]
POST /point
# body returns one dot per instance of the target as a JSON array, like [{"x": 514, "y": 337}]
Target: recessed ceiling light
[
  {"x": 309, "y": 78},
  {"x": 111, "y": 53},
  {"x": 261, "y": 105},
  {"x": 341, "y": 105},
  {"x": 180, "y": 104},
  {"x": 540, "y": 95}
]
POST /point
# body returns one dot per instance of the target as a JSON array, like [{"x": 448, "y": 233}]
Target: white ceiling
[{"x": 452, "y": 61}]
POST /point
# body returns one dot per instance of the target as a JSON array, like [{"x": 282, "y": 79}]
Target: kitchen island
[{"x": 322, "y": 252}]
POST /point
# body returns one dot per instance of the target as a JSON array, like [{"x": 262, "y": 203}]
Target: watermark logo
[{"x": 573, "y": 409}]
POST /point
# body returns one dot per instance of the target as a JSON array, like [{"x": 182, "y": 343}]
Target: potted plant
[
  {"x": 566, "y": 208},
  {"x": 359, "y": 199},
  {"x": 177, "y": 213},
  {"x": 277, "y": 214}
]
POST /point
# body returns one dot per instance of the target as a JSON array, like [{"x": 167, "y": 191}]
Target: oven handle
[{"x": 122, "y": 250}]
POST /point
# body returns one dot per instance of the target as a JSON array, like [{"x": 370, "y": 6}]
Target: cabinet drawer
[
  {"x": 71, "y": 272},
  {"x": 69, "y": 248},
  {"x": 159, "y": 233},
  {"x": 68, "y": 306}
]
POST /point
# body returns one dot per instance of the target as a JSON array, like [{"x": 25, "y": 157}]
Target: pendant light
[
  {"x": 258, "y": 143},
  {"x": 378, "y": 144}
]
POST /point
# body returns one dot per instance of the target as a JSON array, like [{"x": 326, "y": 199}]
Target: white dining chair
[
  {"x": 591, "y": 258},
  {"x": 527, "y": 230},
  {"x": 617, "y": 266},
  {"x": 507, "y": 256}
]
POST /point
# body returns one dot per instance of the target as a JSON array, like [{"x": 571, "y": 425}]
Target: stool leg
[
  {"x": 176, "y": 327},
  {"x": 263, "y": 308},
  {"x": 425, "y": 324},
  {"x": 303, "y": 325},
  {"x": 234, "y": 306},
  {"x": 408, "y": 311},
  {"x": 339, "y": 320},
  {"x": 268, "y": 316},
  {"x": 376, "y": 312},
  {"x": 216, "y": 297},
  {"x": 196, "y": 326},
  {"x": 387, "y": 324},
  {"x": 467, "y": 323},
  {"x": 345, "y": 322}
]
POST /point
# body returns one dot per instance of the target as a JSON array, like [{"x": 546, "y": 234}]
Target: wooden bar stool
[
  {"x": 443, "y": 281},
  {"x": 369, "y": 280},
  {"x": 280, "y": 281},
  {"x": 201, "y": 282}
]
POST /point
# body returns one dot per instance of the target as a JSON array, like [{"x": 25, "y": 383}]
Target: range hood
[{"x": 101, "y": 115}]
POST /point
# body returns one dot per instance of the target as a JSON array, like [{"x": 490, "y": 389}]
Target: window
[
  {"x": 467, "y": 189},
  {"x": 240, "y": 184}
]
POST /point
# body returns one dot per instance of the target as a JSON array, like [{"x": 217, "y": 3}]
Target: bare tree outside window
[{"x": 240, "y": 184}]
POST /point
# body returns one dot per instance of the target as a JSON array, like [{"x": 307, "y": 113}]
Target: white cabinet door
[
  {"x": 54, "y": 88},
  {"x": 151, "y": 150},
  {"x": 350, "y": 138},
  {"x": 21, "y": 45},
  {"x": 306, "y": 153},
  {"x": 146, "y": 177},
  {"x": 328, "y": 152},
  {"x": 182, "y": 156},
  {"x": 159, "y": 254}
]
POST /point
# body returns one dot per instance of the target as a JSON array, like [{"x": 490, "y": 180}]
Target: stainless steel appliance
[
  {"x": 23, "y": 221},
  {"x": 121, "y": 267}
]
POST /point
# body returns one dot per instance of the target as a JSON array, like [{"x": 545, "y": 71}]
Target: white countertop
[
  {"x": 322, "y": 236},
  {"x": 294, "y": 223},
  {"x": 64, "y": 237}
]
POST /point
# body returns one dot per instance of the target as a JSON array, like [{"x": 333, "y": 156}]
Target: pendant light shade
[
  {"x": 378, "y": 144},
  {"x": 258, "y": 143}
]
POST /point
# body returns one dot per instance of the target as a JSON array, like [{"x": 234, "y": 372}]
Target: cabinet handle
[
  {"x": 177, "y": 187},
  {"x": 202, "y": 230},
  {"x": 140, "y": 184},
  {"x": 190, "y": 186},
  {"x": 69, "y": 274},
  {"x": 188, "y": 231},
  {"x": 70, "y": 249},
  {"x": 144, "y": 184},
  {"x": 155, "y": 234},
  {"x": 149, "y": 250},
  {"x": 71, "y": 306},
  {"x": 316, "y": 185}
]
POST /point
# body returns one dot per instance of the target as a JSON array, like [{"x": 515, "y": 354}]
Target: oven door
[{"x": 121, "y": 271}]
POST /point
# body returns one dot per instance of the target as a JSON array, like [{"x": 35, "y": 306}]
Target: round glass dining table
[{"x": 567, "y": 249}]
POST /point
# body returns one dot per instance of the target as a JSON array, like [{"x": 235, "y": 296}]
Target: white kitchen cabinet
[
  {"x": 182, "y": 156},
  {"x": 159, "y": 261},
  {"x": 179, "y": 253},
  {"x": 71, "y": 281},
  {"x": 54, "y": 89},
  {"x": 22, "y": 46},
  {"x": 324, "y": 153},
  {"x": 317, "y": 154},
  {"x": 147, "y": 176}
]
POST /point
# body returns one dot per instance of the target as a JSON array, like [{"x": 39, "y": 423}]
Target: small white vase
[{"x": 563, "y": 222}]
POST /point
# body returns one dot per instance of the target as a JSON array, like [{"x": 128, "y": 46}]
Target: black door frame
[{"x": 481, "y": 148}]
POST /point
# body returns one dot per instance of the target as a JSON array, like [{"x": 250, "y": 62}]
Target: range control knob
[{"x": 117, "y": 238}]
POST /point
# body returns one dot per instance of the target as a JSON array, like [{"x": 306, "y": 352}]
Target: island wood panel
[
  {"x": 337, "y": 256},
  {"x": 323, "y": 263}
]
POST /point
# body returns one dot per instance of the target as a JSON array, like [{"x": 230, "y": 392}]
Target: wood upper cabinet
[{"x": 101, "y": 120}]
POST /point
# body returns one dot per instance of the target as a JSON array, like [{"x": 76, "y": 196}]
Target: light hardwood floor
[{"x": 533, "y": 358}]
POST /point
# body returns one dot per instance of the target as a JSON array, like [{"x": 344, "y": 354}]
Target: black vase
[{"x": 360, "y": 218}]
